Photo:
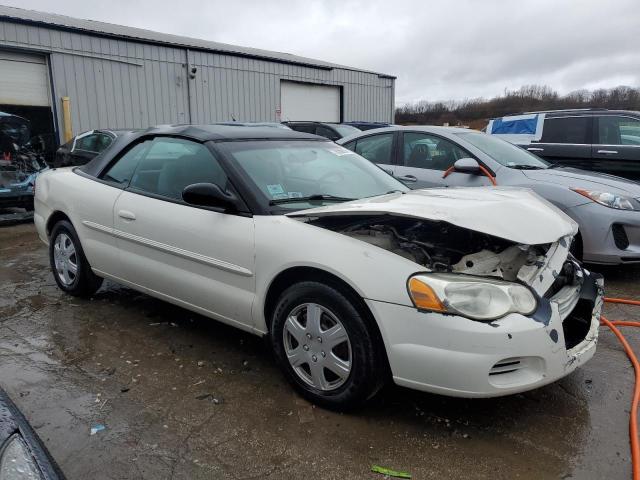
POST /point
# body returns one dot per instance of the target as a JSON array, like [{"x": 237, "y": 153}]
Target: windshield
[
  {"x": 304, "y": 174},
  {"x": 503, "y": 152},
  {"x": 346, "y": 130}
]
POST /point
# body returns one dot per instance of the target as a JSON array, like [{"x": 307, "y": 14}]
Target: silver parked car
[{"x": 607, "y": 208}]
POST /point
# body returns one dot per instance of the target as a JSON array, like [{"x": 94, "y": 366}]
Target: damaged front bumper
[{"x": 455, "y": 356}]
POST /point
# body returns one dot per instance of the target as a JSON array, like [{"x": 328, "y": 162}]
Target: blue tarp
[{"x": 506, "y": 125}]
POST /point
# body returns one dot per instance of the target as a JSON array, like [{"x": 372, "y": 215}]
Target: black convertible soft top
[{"x": 200, "y": 133}]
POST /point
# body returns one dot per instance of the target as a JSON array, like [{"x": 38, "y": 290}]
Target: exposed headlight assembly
[
  {"x": 16, "y": 462},
  {"x": 477, "y": 298},
  {"x": 611, "y": 200}
]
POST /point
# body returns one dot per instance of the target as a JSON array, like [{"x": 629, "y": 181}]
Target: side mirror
[
  {"x": 210, "y": 195},
  {"x": 467, "y": 165}
]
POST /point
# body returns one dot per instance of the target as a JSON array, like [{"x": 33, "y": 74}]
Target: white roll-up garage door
[
  {"x": 305, "y": 101},
  {"x": 24, "y": 80}
]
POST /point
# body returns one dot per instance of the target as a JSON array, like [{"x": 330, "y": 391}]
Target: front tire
[
  {"x": 323, "y": 344},
  {"x": 70, "y": 267}
]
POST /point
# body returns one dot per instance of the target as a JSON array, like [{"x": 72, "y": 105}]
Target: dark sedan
[{"x": 86, "y": 146}]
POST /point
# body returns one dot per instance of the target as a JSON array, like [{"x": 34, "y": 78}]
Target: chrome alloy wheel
[
  {"x": 65, "y": 259},
  {"x": 317, "y": 346}
]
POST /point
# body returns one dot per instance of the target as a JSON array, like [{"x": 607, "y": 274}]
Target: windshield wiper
[
  {"x": 527, "y": 167},
  {"x": 311, "y": 198}
]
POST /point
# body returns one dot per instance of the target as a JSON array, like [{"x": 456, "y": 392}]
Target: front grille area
[
  {"x": 620, "y": 236},
  {"x": 576, "y": 326},
  {"x": 570, "y": 274}
]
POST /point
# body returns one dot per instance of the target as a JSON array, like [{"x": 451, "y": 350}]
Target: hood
[
  {"x": 576, "y": 178},
  {"x": 514, "y": 214}
]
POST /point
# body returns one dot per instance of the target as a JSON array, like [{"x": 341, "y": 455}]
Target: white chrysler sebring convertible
[{"x": 354, "y": 278}]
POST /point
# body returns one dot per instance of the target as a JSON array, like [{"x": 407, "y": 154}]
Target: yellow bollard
[{"x": 66, "y": 119}]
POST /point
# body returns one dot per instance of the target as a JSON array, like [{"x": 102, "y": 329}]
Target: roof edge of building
[{"x": 64, "y": 22}]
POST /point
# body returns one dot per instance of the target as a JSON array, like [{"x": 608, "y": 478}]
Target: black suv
[
  {"x": 332, "y": 131},
  {"x": 593, "y": 139}
]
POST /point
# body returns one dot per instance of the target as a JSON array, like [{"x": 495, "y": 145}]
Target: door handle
[
  {"x": 408, "y": 178},
  {"x": 535, "y": 149},
  {"x": 608, "y": 152},
  {"x": 126, "y": 214}
]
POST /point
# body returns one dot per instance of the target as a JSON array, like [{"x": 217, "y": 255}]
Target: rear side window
[
  {"x": 121, "y": 172},
  {"x": 351, "y": 145},
  {"x": 376, "y": 148},
  {"x": 566, "y": 130},
  {"x": 618, "y": 131}
]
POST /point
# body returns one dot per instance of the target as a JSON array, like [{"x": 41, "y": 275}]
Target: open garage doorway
[{"x": 25, "y": 92}]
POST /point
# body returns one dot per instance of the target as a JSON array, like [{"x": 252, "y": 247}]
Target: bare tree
[{"x": 526, "y": 98}]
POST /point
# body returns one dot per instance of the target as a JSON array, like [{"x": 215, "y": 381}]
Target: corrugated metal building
[{"x": 123, "y": 77}]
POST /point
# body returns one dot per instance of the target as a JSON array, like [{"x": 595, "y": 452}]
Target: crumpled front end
[
  {"x": 448, "y": 352},
  {"x": 456, "y": 356}
]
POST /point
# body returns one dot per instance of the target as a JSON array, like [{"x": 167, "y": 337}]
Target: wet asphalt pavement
[{"x": 185, "y": 397}]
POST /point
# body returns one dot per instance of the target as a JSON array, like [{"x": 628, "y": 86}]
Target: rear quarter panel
[{"x": 89, "y": 206}]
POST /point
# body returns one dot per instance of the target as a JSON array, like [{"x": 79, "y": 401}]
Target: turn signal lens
[{"x": 424, "y": 297}]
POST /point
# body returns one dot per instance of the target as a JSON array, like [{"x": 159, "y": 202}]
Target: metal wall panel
[{"x": 114, "y": 83}]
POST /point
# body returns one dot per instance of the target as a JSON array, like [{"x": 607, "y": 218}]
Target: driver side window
[
  {"x": 421, "y": 150},
  {"x": 171, "y": 164}
]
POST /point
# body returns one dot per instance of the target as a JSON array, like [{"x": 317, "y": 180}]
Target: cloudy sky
[{"x": 438, "y": 49}]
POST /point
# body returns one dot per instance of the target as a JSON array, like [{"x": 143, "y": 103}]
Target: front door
[
  {"x": 565, "y": 141},
  {"x": 426, "y": 157},
  {"x": 193, "y": 256},
  {"x": 616, "y": 148}
]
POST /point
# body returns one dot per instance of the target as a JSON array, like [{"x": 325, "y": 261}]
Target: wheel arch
[
  {"x": 54, "y": 218},
  {"x": 296, "y": 274}
]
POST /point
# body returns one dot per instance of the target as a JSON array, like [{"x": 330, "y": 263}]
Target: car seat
[
  {"x": 445, "y": 158},
  {"x": 419, "y": 157}
]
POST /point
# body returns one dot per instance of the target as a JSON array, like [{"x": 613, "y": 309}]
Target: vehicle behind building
[{"x": 593, "y": 139}]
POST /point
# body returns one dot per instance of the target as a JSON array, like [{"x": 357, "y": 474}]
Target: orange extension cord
[
  {"x": 633, "y": 421},
  {"x": 486, "y": 172}
]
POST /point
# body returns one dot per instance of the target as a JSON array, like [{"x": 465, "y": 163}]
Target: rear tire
[
  {"x": 333, "y": 361},
  {"x": 70, "y": 267}
]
